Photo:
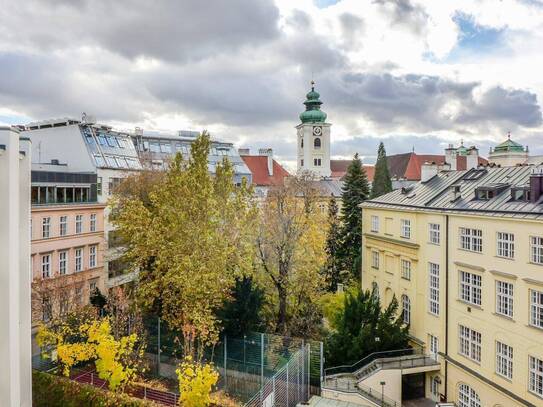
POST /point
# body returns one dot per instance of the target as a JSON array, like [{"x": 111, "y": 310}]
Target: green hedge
[{"x": 53, "y": 391}]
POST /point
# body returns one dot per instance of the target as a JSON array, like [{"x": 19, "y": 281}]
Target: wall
[{"x": 393, "y": 383}]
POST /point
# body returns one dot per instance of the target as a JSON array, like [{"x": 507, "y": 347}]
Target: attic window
[
  {"x": 474, "y": 174},
  {"x": 520, "y": 194},
  {"x": 407, "y": 190},
  {"x": 484, "y": 193}
]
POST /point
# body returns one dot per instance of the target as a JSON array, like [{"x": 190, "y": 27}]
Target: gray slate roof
[{"x": 436, "y": 194}]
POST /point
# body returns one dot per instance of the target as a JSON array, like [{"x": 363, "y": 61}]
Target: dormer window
[
  {"x": 486, "y": 192},
  {"x": 520, "y": 194}
]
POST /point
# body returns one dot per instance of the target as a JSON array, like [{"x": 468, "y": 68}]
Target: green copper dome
[
  {"x": 313, "y": 112},
  {"x": 509, "y": 145}
]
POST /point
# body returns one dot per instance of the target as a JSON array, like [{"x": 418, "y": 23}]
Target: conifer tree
[
  {"x": 355, "y": 190},
  {"x": 382, "y": 183},
  {"x": 332, "y": 269}
]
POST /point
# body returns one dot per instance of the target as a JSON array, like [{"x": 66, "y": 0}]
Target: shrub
[{"x": 54, "y": 391}]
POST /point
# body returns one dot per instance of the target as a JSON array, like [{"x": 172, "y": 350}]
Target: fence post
[
  {"x": 261, "y": 359},
  {"x": 308, "y": 371},
  {"x": 288, "y": 405},
  {"x": 158, "y": 349},
  {"x": 225, "y": 356},
  {"x": 145, "y": 392},
  {"x": 321, "y": 361},
  {"x": 92, "y": 378}
]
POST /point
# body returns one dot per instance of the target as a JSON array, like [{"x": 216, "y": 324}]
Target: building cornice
[{"x": 392, "y": 240}]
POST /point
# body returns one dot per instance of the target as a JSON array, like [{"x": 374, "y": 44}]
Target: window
[
  {"x": 375, "y": 223},
  {"x": 79, "y": 259},
  {"x": 78, "y": 294},
  {"x": 93, "y": 222},
  {"x": 471, "y": 239},
  {"x": 93, "y": 286},
  {"x": 317, "y": 162},
  {"x": 536, "y": 249},
  {"x": 434, "y": 346},
  {"x": 301, "y": 143},
  {"x": 301, "y": 162},
  {"x": 46, "y": 265},
  {"x": 78, "y": 223},
  {"x": 46, "y": 307},
  {"x": 375, "y": 259},
  {"x": 504, "y": 360},
  {"x": 99, "y": 186},
  {"x": 375, "y": 290},
  {"x": 63, "y": 226},
  {"x": 406, "y": 269},
  {"x": 504, "y": 298},
  {"x": 62, "y": 262},
  {"x": 433, "y": 292},
  {"x": 434, "y": 233},
  {"x": 406, "y": 309},
  {"x": 405, "y": 228},
  {"x": 317, "y": 143},
  {"x": 92, "y": 256},
  {"x": 467, "y": 397},
  {"x": 45, "y": 227},
  {"x": 536, "y": 308},
  {"x": 470, "y": 343},
  {"x": 536, "y": 376},
  {"x": 434, "y": 386},
  {"x": 165, "y": 148},
  {"x": 470, "y": 287},
  {"x": 100, "y": 162},
  {"x": 506, "y": 245}
]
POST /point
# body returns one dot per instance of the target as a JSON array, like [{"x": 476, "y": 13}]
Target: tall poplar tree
[
  {"x": 382, "y": 184},
  {"x": 332, "y": 269},
  {"x": 355, "y": 190}
]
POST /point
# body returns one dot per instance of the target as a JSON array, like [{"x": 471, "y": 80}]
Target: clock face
[{"x": 317, "y": 131}]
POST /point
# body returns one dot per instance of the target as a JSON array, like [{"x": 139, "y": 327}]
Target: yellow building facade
[{"x": 463, "y": 255}]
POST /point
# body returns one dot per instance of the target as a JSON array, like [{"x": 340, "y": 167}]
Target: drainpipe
[{"x": 446, "y": 301}]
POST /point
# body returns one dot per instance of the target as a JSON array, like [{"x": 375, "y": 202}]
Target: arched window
[
  {"x": 467, "y": 397},
  {"x": 302, "y": 143},
  {"x": 406, "y": 309},
  {"x": 375, "y": 290},
  {"x": 317, "y": 143}
]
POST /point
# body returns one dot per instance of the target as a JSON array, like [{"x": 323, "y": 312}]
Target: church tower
[{"x": 314, "y": 137}]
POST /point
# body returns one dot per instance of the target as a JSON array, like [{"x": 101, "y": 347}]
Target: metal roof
[{"x": 437, "y": 193}]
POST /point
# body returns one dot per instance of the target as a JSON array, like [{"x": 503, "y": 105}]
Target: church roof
[
  {"x": 313, "y": 112},
  {"x": 509, "y": 146}
]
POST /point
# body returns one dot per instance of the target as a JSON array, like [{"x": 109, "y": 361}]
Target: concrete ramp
[{"x": 317, "y": 401}]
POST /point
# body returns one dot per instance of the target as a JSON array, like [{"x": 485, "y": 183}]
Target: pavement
[{"x": 419, "y": 403}]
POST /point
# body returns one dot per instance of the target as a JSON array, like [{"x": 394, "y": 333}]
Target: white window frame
[
  {"x": 46, "y": 265},
  {"x": 405, "y": 266},
  {"x": 405, "y": 228},
  {"x": 434, "y": 233},
  {"x": 467, "y": 397},
  {"x": 433, "y": 288},
  {"x": 504, "y": 360},
  {"x": 375, "y": 223},
  {"x": 434, "y": 346},
  {"x": 63, "y": 225},
  {"x": 504, "y": 298},
  {"x": 471, "y": 287},
  {"x": 536, "y": 308},
  {"x": 469, "y": 343},
  {"x": 535, "y": 381},
  {"x": 406, "y": 309},
  {"x": 505, "y": 245},
  {"x": 46, "y": 227},
  {"x": 435, "y": 381},
  {"x": 471, "y": 239},
  {"x": 92, "y": 223},
  {"x": 536, "y": 249},
  {"x": 375, "y": 259},
  {"x": 78, "y": 224},
  {"x": 79, "y": 259},
  {"x": 93, "y": 251},
  {"x": 62, "y": 262}
]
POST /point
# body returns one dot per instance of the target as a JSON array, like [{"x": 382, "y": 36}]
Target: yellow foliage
[{"x": 196, "y": 382}]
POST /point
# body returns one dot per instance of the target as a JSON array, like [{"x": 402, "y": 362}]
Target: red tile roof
[
  {"x": 405, "y": 165},
  {"x": 258, "y": 165}
]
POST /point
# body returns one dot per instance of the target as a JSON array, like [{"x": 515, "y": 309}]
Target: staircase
[{"x": 349, "y": 379}]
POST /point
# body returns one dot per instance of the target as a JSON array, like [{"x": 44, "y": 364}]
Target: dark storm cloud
[{"x": 167, "y": 29}]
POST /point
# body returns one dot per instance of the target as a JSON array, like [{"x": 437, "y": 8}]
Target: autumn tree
[
  {"x": 190, "y": 236},
  {"x": 382, "y": 184},
  {"x": 333, "y": 273},
  {"x": 290, "y": 246},
  {"x": 355, "y": 190}
]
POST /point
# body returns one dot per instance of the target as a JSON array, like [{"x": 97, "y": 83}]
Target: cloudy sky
[{"x": 415, "y": 74}]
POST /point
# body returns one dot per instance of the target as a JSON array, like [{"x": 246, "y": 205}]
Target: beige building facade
[{"x": 463, "y": 255}]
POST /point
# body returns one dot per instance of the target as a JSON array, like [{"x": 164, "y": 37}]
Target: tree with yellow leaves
[
  {"x": 196, "y": 381},
  {"x": 190, "y": 236}
]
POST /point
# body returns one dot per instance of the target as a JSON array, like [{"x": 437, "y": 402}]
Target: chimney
[
  {"x": 138, "y": 131},
  {"x": 244, "y": 151},
  {"x": 428, "y": 170},
  {"x": 536, "y": 184},
  {"x": 450, "y": 157},
  {"x": 472, "y": 159},
  {"x": 269, "y": 153},
  {"x": 455, "y": 193}
]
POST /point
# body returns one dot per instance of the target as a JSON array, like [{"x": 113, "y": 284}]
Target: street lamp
[{"x": 382, "y": 393}]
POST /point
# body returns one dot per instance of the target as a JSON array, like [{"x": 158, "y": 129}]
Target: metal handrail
[
  {"x": 349, "y": 386},
  {"x": 398, "y": 363},
  {"x": 365, "y": 361}
]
